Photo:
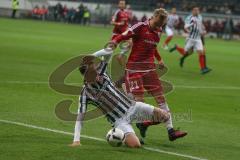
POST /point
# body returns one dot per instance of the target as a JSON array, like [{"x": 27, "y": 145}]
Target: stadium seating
[{"x": 216, "y": 6}]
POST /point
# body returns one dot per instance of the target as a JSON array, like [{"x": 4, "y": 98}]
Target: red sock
[
  {"x": 168, "y": 40},
  {"x": 149, "y": 123},
  {"x": 202, "y": 61},
  {"x": 180, "y": 50},
  {"x": 205, "y": 61}
]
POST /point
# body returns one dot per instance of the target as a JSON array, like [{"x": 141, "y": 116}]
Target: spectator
[
  {"x": 35, "y": 12},
  {"x": 65, "y": 12},
  {"x": 237, "y": 28},
  {"x": 144, "y": 18},
  {"x": 15, "y": 6},
  {"x": 58, "y": 12},
  {"x": 71, "y": 15},
  {"x": 43, "y": 13},
  {"x": 39, "y": 13},
  {"x": 134, "y": 20},
  {"x": 79, "y": 14},
  {"x": 217, "y": 28},
  {"x": 129, "y": 11},
  {"x": 86, "y": 16},
  {"x": 228, "y": 28}
]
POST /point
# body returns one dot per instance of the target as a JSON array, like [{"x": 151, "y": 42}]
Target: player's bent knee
[
  {"x": 132, "y": 141},
  {"x": 139, "y": 98},
  {"x": 160, "y": 115}
]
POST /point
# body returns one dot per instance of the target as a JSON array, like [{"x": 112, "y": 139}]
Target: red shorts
[{"x": 137, "y": 82}]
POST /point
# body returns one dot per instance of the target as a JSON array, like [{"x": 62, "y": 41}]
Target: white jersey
[
  {"x": 195, "y": 26},
  {"x": 203, "y": 27},
  {"x": 172, "y": 20}
]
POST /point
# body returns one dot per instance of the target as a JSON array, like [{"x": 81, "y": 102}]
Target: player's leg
[
  {"x": 144, "y": 111},
  {"x": 188, "y": 50},
  {"x": 202, "y": 57},
  {"x": 180, "y": 50},
  {"x": 131, "y": 140},
  {"x": 152, "y": 84},
  {"x": 154, "y": 87},
  {"x": 169, "y": 33},
  {"x": 149, "y": 86},
  {"x": 134, "y": 85}
]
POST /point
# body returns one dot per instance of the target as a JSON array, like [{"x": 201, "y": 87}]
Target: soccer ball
[{"x": 115, "y": 137}]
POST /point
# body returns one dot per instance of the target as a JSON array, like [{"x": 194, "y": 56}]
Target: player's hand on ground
[{"x": 75, "y": 144}]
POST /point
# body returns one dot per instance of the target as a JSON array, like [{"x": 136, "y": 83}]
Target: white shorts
[
  {"x": 169, "y": 31},
  {"x": 137, "y": 113},
  {"x": 195, "y": 44}
]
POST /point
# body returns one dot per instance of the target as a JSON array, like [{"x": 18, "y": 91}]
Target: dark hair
[
  {"x": 194, "y": 6},
  {"x": 83, "y": 69},
  {"x": 85, "y": 62}
]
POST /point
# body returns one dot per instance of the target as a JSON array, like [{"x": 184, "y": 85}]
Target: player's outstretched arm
[
  {"x": 83, "y": 101},
  {"x": 123, "y": 37},
  {"x": 103, "y": 52},
  {"x": 106, "y": 53},
  {"x": 77, "y": 130}
]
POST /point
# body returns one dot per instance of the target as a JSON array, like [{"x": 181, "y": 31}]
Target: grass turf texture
[{"x": 31, "y": 50}]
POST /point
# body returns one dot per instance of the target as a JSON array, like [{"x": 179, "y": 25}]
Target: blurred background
[{"x": 221, "y": 17}]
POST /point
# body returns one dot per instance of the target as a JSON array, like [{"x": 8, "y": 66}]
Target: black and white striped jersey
[
  {"x": 196, "y": 27},
  {"x": 104, "y": 95},
  {"x": 172, "y": 20}
]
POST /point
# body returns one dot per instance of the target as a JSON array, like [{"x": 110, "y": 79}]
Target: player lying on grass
[
  {"x": 141, "y": 71},
  {"x": 194, "y": 26},
  {"x": 119, "y": 109}
]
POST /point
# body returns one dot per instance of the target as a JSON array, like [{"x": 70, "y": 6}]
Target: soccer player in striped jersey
[
  {"x": 119, "y": 109},
  {"x": 194, "y": 26},
  {"x": 172, "y": 21},
  {"x": 140, "y": 69}
]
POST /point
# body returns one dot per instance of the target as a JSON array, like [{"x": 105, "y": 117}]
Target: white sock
[
  {"x": 168, "y": 124},
  {"x": 102, "y": 52},
  {"x": 77, "y": 131},
  {"x": 123, "y": 51}
]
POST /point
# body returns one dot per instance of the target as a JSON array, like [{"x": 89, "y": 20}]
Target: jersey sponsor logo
[{"x": 151, "y": 42}]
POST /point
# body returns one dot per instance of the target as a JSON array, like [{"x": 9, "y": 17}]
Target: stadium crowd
[
  {"x": 62, "y": 13},
  {"x": 213, "y": 6},
  {"x": 82, "y": 15}
]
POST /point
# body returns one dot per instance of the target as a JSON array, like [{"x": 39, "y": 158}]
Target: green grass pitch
[{"x": 31, "y": 50}]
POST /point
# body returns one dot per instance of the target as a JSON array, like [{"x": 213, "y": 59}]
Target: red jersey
[
  {"x": 144, "y": 49},
  {"x": 120, "y": 16}
]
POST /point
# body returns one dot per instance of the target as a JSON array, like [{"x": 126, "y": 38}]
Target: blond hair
[{"x": 161, "y": 12}]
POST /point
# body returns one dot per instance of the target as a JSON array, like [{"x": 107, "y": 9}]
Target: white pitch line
[
  {"x": 98, "y": 139},
  {"x": 208, "y": 87},
  {"x": 175, "y": 86}
]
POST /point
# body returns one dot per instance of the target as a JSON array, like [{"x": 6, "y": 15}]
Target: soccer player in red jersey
[
  {"x": 120, "y": 21},
  {"x": 140, "y": 69}
]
